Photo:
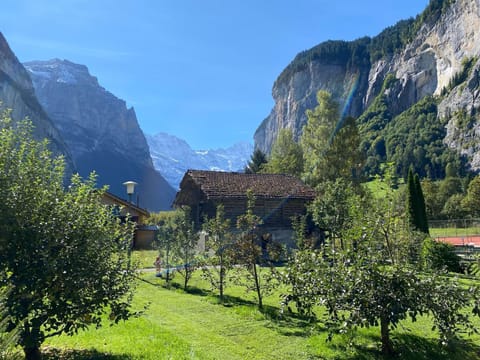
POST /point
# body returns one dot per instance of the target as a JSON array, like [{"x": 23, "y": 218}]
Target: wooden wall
[{"x": 273, "y": 212}]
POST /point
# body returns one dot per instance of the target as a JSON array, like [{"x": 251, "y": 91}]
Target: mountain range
[
  {"x": 95, "y": 130},
  {"x": 414, "y": 90},
  {"x": 172, "y": 156}
]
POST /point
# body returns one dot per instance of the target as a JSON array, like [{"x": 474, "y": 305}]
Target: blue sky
[{"x": 202, "y": 70}]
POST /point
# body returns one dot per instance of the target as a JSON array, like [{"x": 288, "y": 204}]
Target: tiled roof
[
  {"x": 216, "y": 184},
  {"x": 118, "y": 200}
]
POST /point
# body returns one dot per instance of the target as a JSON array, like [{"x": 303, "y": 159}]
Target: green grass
[
  {"x": 379, "y": 188},
  {"x": 144, "y": 258},
  {"x": 194, "y": 325},
  {"x": 439, "y": 232}
]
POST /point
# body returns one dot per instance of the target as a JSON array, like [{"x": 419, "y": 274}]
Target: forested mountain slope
[{"x": 429, "y": 61}]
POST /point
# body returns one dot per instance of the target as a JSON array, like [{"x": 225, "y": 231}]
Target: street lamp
[{"x": 130, "y": 188}]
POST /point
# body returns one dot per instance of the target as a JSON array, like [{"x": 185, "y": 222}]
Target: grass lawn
[
  {"x": 193, "y": 325},
  {"x": 439, "y": 232},
  {"x": 144, "y": 258}
]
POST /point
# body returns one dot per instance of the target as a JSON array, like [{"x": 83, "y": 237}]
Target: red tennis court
[{"x": 473, "y": 240}]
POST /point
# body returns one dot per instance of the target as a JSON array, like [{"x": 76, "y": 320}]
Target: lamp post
[{"x": 130, "y": 189}]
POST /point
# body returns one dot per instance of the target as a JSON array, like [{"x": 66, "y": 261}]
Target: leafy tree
[
  {"x": 252, "y": 249},
  {"x": 332, "y": 210},
  {"x": 373, "y": 283},
  {"x": 166, "y": 240},
  {"x": 301, "y": 273},
  {"x": 8, "y": 335},
  {"x": 448, "y": 187},
  {"x": 364, "y": 293},
  {"x": 256, "y": 163},
  {"x": 286, "y": 156},
  {"x": 454, "y": 208},
  {"x": 472, "y": 200},
  {"x": 316, "y": 137},
  {"x": 331, "y": 145},
  {"x": 433, "y": 202},
  {"x": 440, "y": 256},
  {"x": 186, "y": 244},
  {"x": 219, "y": 243},
  {"x": 344, "y": 157},
  {"x": 63, "y": 254}
]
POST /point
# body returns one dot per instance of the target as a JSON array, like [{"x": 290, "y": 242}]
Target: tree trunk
[
  {"x": 185, "y": 283},
  {"x": 257, "y": 286},
  {"x": 31, "y": 340},
  {"x": 167, "y": 276},
  {"x": 222, "y": 276},
  {"x": 32, "y": 353},
  {"x": 387, "y": 348}
]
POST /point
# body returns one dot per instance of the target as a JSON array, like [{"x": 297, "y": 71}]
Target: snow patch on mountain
[{"x": 173, "y": 156}]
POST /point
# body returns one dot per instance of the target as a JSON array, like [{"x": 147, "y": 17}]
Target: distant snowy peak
[{"x": 172, "y": 157}]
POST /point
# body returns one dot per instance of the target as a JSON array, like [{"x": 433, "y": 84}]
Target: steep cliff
[
  {"x": 340, "y": 67},
  {"x": 17, "y": 93},
  {"x": 101, "y": 132},
  {"x": 425, "y": 56}
]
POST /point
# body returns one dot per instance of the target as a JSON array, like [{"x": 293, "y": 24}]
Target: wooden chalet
[
  {"x": 144, "y": 234},
  {"x": 278, "y": 197}
]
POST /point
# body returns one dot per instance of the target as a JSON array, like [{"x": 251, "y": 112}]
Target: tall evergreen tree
[
  {"x": 410, "y": 206},
  {"x": 420, "y": 205},
  {"x": 256, "y": 163},
  {"x": 415, "y": 207}
]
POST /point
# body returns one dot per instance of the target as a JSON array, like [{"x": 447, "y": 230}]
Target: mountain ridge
[
  {"x": 18, "y": 95},
  {"x": 173, "y": 156},
  {"x": 423, "y": 55},
  {"x": 102, "y": 134}
]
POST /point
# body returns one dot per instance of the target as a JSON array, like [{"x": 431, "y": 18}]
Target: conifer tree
[
  {"x": 256, "y": 163},
  {"x": 410, "y": 206},
  {"x": 420, "y": 205},
  {"x": 415, "y": 207}
]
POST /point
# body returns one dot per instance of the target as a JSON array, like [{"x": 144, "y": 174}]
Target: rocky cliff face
[
  {"x": 100, "y": 131},
  {"x": 294, "y": 95},
  {"x": 17, "y": 93},
  {"x": 423, "y": 67}
]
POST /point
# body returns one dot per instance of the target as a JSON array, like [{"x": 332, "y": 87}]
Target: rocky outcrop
[
  {"x": 294, "y": 94},
  {"x": 17, "y": 93},
  {"x": 102, "y": 134},
  {"x": 424, "y": 66}
]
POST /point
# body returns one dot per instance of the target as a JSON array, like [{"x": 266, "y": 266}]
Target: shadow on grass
[
  {"x": 51, "y": 353},
  {"x": 286, "y": 323},
  {"x": 416, "y": 347},
  {"x": 407, "y": 347},
  {"x": 176, "y": 286}
]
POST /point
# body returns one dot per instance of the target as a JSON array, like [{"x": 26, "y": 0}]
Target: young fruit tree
[
  {"x": 186, "y": 245},
  {"x": 376, "y": 280},
  {"x": 63, "y": 254},
  {"x": 166, "y": 240},
  {"x": 219, "y": 250},
  {"x": 254, "y": 250}
]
